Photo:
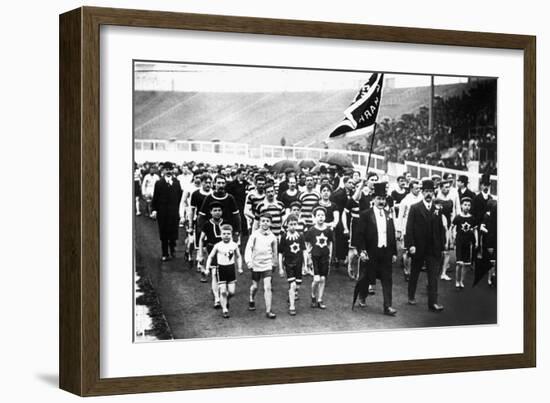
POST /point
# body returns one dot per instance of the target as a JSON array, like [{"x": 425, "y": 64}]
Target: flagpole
[{"x": 371, "y": 145}]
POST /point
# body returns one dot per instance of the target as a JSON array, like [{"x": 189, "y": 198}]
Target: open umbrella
[
  {"x": 307, "y": 163},
  {"x": 284, "y": 165},
  {"x": 403, "y": 153},
  {"x": 341, "y": 160},
  {"x": 449, "y": 153},
  {"x": 317, "y": 168},
  {"x": 361, "y": 289},
  {"x": 417, "y": 152}
]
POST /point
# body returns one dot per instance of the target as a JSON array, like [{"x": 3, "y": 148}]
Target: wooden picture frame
[{"x": 80, "y": 188}]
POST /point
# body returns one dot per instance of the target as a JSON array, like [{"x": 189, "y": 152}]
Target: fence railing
[
  {"x": 219, "y": 147},
  {"x": 419, "y": 171},
  {"x": 377, "y": 163}
]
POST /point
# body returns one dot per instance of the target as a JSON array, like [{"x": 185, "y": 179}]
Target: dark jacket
[
  {"x": 340, "y": 198},
  {"x": 425, "y": 230},
  {"x": 166, "y": 202},
  {"x": 489, "y": 224},
  {"x": 480, "y": 207},
  {"x": 368, "y": 232},
  {"x": 238, "y": 191}
]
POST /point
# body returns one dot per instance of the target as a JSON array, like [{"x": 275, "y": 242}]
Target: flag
[{"x": 360, "y": 116}]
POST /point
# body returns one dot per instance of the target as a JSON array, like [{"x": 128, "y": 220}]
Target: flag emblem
[{"x": 360, "y": 116}]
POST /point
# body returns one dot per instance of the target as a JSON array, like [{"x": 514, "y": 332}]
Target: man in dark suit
[
  {"x": 425, "y": 241},
  {"x": 376, "y": 241},
  {"x": 480, "y": 203},
  {"x": 165, "y": 205},
  {"x": 340, "y": 198},
  {"x": 237, "y": 188}
]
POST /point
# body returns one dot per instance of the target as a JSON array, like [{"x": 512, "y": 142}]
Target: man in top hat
[
  {"x": 425, "y": 242},
  {"x": 376, "y": 241},
  {"x": 480, "y": 204},
  {"x": 462, "y": 186},
  {"x": 165, "y": 205}
]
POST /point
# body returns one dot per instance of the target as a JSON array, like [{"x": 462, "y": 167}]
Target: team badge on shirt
[
  {"x": 321, "y": 240},
  {"x": 466, "y": 227},
  {"x": 294, "y": 247},
  {"x": 229, "y": 255}
]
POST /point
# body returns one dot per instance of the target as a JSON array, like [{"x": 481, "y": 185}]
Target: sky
[{"x": 216, "y": 78}]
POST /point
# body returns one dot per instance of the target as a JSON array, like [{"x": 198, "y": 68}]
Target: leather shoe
[
  {"x": 412, "y": 302},
  {"x": 436, "y": 308},
  {"x": 390, "y": 311}
]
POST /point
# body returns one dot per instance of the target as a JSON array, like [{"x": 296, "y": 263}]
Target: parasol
[
  {"x": 284, "y": 165},
  {"x": 341, "y": 160},
  {"x": 449, "y": 153},
  {"x": 307, "y": 163}
]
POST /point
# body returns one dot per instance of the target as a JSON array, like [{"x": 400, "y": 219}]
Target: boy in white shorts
[
  {"x": 227, "y": 254},
  {"x": 261, "y": 258}
]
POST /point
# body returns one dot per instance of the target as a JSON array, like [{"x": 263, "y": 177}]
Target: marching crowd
[{"x": 311, "y": 221}]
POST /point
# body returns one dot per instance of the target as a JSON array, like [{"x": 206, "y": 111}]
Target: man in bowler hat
[
  {"x": 165, "y": 205},
  {"x": 425, "y": 242},
  {"x": 377, "y": 246}
]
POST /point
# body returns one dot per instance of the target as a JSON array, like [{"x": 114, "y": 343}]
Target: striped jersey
[
  {"x": 253, "y": 199},
  {"x": 276, "y": 210},
  {"x": 309, "y": 200}
]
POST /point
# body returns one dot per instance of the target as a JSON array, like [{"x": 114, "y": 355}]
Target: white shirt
[
  {"x": 226, "y": 252},
  {"x": 148, "y": 184},
  {"x": 404, "y": 208},
  {"x": 381, "y": 226},
  {"x": 427, "y": 205},
  {"x": 261, "y": 250}
]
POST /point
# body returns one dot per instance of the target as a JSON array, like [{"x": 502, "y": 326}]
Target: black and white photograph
[{"x": 270, "y": 200}]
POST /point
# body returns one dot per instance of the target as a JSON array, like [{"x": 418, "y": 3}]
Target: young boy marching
[
  {"x": 261, "y": 258},
  {"x": 466, "y": 239},
  {"x": 292, "y": 254},
  {"x": 211, "y": 234},
  {"x": 227, "y": 254},
  {"x": 319, "y": 244},
  {"x": 295, "y": 209}
]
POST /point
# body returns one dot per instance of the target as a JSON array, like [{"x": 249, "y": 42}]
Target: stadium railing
[
  {"x": 420, "y": 171},
  {"x": 220, "y": 147},
  {"x": 172, "y": 150}
]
